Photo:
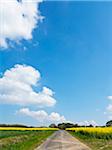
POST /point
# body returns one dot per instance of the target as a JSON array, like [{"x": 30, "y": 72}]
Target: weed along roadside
[{"x": 96, "y": 138}]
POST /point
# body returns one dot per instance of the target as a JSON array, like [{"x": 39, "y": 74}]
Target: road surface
[{"x": 62, "y": 140}]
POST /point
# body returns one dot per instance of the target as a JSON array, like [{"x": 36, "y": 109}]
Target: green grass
[
  {"x": 94, "y": 143},
  {"x": 22, "y": 140},
  {"x": 6, "y": 134}
]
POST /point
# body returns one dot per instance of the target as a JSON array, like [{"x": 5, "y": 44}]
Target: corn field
[{"x": 93, "y": 132}]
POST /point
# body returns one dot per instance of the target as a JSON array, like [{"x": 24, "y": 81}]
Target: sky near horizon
[{"x": 55, "y": 62}]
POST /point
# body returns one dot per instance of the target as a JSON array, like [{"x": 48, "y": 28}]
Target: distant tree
[
  {"x": 52, "y": 125},
  {"x": 109, "y": 123},
  {"x": 90, "y": 125},
  {"x": 63, "y": 126}
]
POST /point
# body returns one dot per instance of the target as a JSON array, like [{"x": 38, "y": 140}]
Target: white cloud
[
  {"x": 48, "y": 91},
  {"x": 109, "y": 97},
  {"x": 39, "y": 115},
  {"x": 56, "y": 117},
  {"x": 42, "y": 116},
  {"x": 16, "y": 87},
  {"x": 18, "y": 18},
  {"x": 87, "y": 123}
]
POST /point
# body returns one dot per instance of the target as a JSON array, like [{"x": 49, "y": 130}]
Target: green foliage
[
  {"x": 93, "y": 142},
  {"x": 6, "y": 134},
  {"x": 109, "y": 123},
  {"x": 52, "y": 126},
  {"x": 63, "y": 126}
]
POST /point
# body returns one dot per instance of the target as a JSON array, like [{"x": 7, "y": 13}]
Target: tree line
[
  {"x": 71, "y": 125},
  {"x": 60, "y": 125}
]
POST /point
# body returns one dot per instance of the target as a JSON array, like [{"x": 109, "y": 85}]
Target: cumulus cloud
[
  {"x": 87, "y": 123},
  {"x": 42, "y": 115},
  {"x": 16, "y": 87},
  {"x": 56, "y": 117},
  {"x": 18, "y": 18},
  {"x": 109, "y": 97}
]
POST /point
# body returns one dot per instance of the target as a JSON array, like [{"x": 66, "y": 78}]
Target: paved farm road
[{"x": 62, "y": 140}]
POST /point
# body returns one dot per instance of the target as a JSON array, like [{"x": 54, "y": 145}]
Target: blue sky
[{"x": 72, "y": 49}]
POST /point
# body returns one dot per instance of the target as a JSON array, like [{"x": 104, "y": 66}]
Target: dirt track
[{"x": 62, "y": 140}]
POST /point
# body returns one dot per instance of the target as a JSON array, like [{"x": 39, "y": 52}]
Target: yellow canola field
[
  {"x": 92, "y": 129},
  {"x": 94, "y": 132},
  {"x": 29, "y": 129}
]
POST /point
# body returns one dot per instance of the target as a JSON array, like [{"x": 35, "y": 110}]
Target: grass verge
[
  {"x": 94, "y": 143},
  {"x": 22, "y": 140}
]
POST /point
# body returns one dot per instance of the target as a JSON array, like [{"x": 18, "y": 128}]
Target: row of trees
[
  {"x": 71, "y": 125},
  {"x": 60, "y": 125},
  {"x": 66, "y": 125},
  {"x": 109, "y": 123},
  {"x": 13, "y": 125}
]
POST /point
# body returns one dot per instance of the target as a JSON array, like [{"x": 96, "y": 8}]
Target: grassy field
[
  {"x": 96, "y": 138},
  {"x": 22, "y": 139}
]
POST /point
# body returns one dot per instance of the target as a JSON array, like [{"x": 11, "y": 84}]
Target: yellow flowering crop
[
  {"x": 96, "y": 132},
  {"x": 24, "y": 129},
  {"x": 94, "y": 129}
]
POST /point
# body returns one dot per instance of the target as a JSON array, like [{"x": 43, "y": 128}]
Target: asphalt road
[{"x": 62, "y": 140}]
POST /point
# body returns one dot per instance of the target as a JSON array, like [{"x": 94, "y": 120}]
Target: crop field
[
  {"x": 23, "y": 139},
  {"x": 96, "y": 138},
  {"x": 26, "y": 129}
]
